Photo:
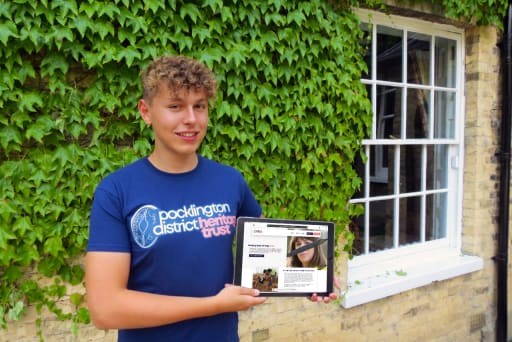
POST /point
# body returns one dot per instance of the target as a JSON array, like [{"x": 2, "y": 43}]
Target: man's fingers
[
  {"x": 249, "y": 292},
  {"x": 337, "y": 283}
]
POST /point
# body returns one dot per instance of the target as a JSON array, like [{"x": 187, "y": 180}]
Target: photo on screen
[{"x": 282, "y": 257}]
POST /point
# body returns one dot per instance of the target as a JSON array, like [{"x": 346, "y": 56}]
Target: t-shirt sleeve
[
  {"x": 249, "y": 206},
  {"x": 107, "y": 229}
]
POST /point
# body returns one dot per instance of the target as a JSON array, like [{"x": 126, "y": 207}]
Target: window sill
[{"x": 370, "y": 281}]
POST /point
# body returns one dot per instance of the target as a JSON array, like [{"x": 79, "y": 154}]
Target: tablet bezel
[{"x": 240, "y": 229}]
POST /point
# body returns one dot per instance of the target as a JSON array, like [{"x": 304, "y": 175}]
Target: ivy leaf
[
  {"x": 12, "y": 273},
  {"x": 53, "y": 246},
  {"x": 83, "y": 316},
  {"x": 30, "y": 101},
  {"x": 82, "y": 23},
  {"x": 201, "y": 32},
  {"x": 236, "y": 55},
  {"x": 7, "y": 29},
  {"x": 76, "y": 298},
  {"x": 226, "y": 14},
  {"x": 65, "y": 6},
  {"x": 212, "y": 55},
  {"x": 28, "y": 255},
  {"x": 22, "y": 225},
  {"x": 53, "y": 62},
  {"x": 191, "y": 11},
  {"x": 126, "y": 35},
  {"x": 5, "y": 11},
  {"x": 74, "y": 275},
  {"x": 88, "y": 8},
  {"x": 40, "y": 128},
  {"x": 137, "y": 24},
  {"x": 61, "y": 33},
  {"x": 103, "y": 29},
  {"x": 15, "y": 312},
  {"x": 108, "y": 9},
  {"x": 297, "y": 17},
  {"x": 5, "y": 235},
  {"x": 269, "y": 38},
  {"x": 11, "y": 138},
  {"x": 129, "y": 54},
  {"x": 263, "y": 127},
  {"x": 153, "y": 5}
]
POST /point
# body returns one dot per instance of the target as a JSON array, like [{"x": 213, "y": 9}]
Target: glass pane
[
  {"x": 369, "y": 94},
  {"x": 437, "y": 167},
  {"x": 409, "y": 225},
  {"x": 418, "y": 58},
  {"x": 445, "y": 64},
  {"x": 367, "y": 45},
  {"x": 444, "y": 115},
  {"x": 410, "y": 168},
  {"x": 389, "y": 105},
  {"x": 389, "y": 54},
  {"x": 381, "y": 170},
  {"x": 359, "y": 168},
  {"x": 381, "y": 225},
  {"x": 436, "y": 217},
  {"x": 418, "y": 103},
  {"x": 357, "y": 228}
]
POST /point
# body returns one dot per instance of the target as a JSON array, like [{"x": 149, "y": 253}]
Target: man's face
[{"x": 179, "y": 121}]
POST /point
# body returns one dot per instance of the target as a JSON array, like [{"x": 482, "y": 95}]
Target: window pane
[
  {"x": 357, "y": 228},
  {"x": 410, "y": 211},
  {"x": 436, "y": 217},
  {"x": 418, "y": 62},
  {"x": 389, "y": 54},
  {"x": 359, "y": 168},
  {"x": 444, "y": 115},
  {"x": 381, "y": 170},
  {"x": 445, "y": 64},
  {"x": 418, "y": 103},
  {"x": 369, "y": 93},
  {"x": 381, "y": 225},
  {"x": 389, "y": 104},
  {"x": 437, "y": 167},
  {"x": 410, "y": 168}
]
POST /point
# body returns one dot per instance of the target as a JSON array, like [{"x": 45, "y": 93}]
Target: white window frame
[{"x": 376, "y": 275}]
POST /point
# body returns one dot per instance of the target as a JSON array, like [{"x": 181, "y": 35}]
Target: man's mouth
[{"x": 187, "y": 134}]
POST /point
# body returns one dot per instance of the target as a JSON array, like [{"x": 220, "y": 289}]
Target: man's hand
[
  {"x": 235, "y": 298},
  {"x": 326, "y": 299}
]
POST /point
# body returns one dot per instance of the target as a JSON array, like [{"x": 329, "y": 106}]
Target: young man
[{"x": 160, "y": 243}]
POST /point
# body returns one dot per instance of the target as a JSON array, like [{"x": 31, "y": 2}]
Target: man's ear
[{"x": 144, "y": 111}]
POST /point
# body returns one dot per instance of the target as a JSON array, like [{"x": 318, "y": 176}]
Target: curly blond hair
[{"x": 178, "y": 73}]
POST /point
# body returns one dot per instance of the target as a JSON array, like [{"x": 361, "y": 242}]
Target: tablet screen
[{"x": 282, "y": 257}]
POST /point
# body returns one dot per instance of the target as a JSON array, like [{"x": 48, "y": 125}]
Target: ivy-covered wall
[{"x": 290, "y": 114}]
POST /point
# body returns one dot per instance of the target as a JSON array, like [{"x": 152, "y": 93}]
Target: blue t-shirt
[{"x": 179, "y": 229}]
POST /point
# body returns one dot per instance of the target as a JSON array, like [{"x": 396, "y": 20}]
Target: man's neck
[{"x": 173, "y": 165}]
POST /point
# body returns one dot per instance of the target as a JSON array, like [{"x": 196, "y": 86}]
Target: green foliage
[
  {"x": 478, "y": 12},
  {"x": 490, "y": 12},
  {"x": 290, "y": 116}
]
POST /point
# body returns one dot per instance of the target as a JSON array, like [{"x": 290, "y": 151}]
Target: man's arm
[{"x": 113, "y": 306}]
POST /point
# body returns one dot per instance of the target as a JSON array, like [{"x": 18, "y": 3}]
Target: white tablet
[{"x": 282, "y": 257}]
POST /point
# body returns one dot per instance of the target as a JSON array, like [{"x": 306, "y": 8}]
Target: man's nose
[{"x": 190, "y": 114}]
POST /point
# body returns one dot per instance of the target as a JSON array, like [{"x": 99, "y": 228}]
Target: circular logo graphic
[{"x": 142, "y": 223}]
